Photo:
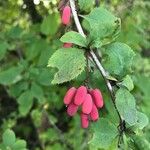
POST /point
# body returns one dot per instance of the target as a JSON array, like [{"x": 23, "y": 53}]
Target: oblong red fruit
[
  {"x": 67, "y": 45},
  {"x": 97, "y": 97},
  {"x": 87, "y": 104},
  {"x": 72, "y": 109},
  {"x": 66, "y": 14},
  {"x": 69, "y": 95},
  {"x": 80, "y": 95},
  {"x": 84, "y": 120},
  {"x": 94, "y": 115}
]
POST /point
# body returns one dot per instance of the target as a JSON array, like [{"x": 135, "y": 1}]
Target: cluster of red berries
[
  {"x": 89, "y": 100},
  {"x": 65, "y": 19}
]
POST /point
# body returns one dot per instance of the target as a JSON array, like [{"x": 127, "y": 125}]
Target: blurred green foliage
[{"x": 32, "y": 107}]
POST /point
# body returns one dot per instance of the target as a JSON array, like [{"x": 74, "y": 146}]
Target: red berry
[
  {"x": 94, "y": 115},
  {"x": 72, "y": 109},
  {"x": 69, "y": 95},
  {"x": 66, "y": 14},
  {"x": 80, "y": 95},
  {"x": 87, "y": 104},
  {"x": 67, "y": 45},
  {"x": 97, "y": 97},
  {"x": 84, "y": 120}
]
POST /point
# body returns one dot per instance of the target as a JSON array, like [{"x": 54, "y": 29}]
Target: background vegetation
[{"x": 30, "y": 105}]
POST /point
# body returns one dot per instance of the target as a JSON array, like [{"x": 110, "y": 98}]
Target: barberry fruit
[
  {"x": 89, "y": 100},
  {"x": 66, "y": 14},
  {"x": 80, "y": 95},
  {"x": 72, "y": 109},
  {"x": 94, "y": 115},
  {"x": 97, "y": 97},
  {"x": 84, "y": 120},
  {"x": 69, "y": 95},
  {"x": 67, "y": 45},
  {"x": 87, "y": 104}
]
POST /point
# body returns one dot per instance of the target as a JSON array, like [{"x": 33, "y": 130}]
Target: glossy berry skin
[
  {"x": 90, "y": 101},
  {"x": 80, "y": 95},
  {"x": 67, "y": 45},
  {"x": 84, "y": 120},
  {"x": 66, "y": 14},
  {"x": 94, "y": 115},
  {"x": 97, "y": 98},
  {"x": 72, "y": 109},
  {"x": 69, "y": 95},
  {"x": 87, "y": 104}
]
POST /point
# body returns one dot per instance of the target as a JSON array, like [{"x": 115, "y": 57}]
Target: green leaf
[
  {"x": 74, "y": 37},
  {"x": 56, "y": 146},
  {"x": 104, "y": 27},
  {"x": 70, "y": 63},
  {"x": 85, "y": 5},
  {"x": 37, "y": 91},
  {"x": 2, "y": 146},
  {"x": 104, "y": 132},
  {"x": 16, "y": 89},
  {"x": 35, "y": 48},
  {"x": 10, "y": 76},
  {"x": 143, "y": 83},
  {"x": 9, "y": 137},
  {"x": 15, "y": 32},
  {"x": 86, "y": 25},
  {"x": 36, "y": 116},
  {"x": 50, "y": 135},
  {"x": 25, "y": 102},
  {"x": 44, "y": 77},
  {"x": 118, "y": 59},
  {"x": 44, "y": 56},
  {"x": 126, "y": 106},
  {"x": 111, "y": 78},
  {"x": 3, "y": 49},
  {"x": 141, "y": 142},
  {"x": 19, "y": 145},
  {"x": 128, "y": 83},
  {"x": 142, "y": 120},
  {"x": 50, "y": 24}
]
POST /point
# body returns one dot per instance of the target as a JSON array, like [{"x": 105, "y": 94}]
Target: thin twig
[
  {"x": 76, "y": 19},
  {"x": 94, "y": 57},
  {"x": 104, "y": 75}
]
